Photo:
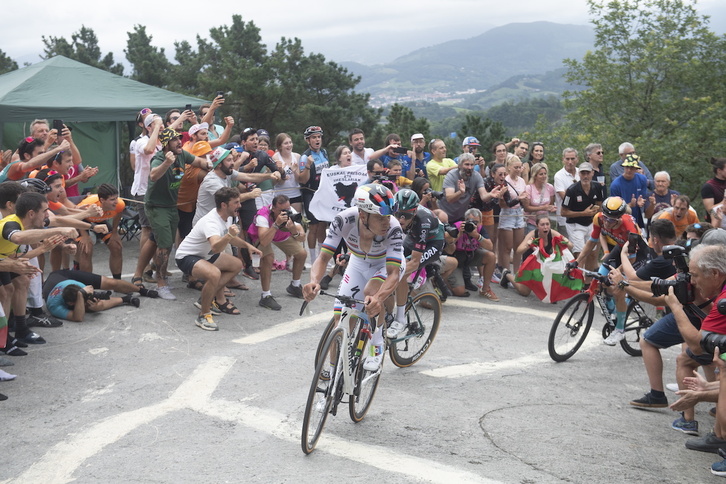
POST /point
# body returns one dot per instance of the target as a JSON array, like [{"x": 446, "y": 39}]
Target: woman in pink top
[
  {"x": 511, "y": 218},
  {"x": 541, "y": 199}
]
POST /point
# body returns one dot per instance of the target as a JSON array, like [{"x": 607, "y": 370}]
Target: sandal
[
  {"x": 198, "y": 285},
  {"x": 229, "y": 294},
  {"x": 240, "y": 286},
  {"x": 227, "y": 307},
  {"x": 138, "y": 282}
]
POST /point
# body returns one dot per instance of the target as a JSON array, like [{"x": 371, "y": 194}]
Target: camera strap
[{"x": 696, "y": 309}]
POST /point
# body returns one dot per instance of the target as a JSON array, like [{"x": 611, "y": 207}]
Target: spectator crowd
[{"x": 218, "y": 201}]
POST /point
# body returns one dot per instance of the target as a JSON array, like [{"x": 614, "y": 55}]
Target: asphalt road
[{"x": 143, "y": 395}]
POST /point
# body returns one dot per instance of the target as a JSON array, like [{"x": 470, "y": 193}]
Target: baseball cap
[
  {"x": 417, "y": 136},
  {"x": 234, "y": 146},
  {"x": 200, "y": 148},
  {"x": 585, "y": 166},
  {"x": 631, "y": 161},
  {"x": 197, "y": 128},
  {"x": 471, "y": 141},
  {"x": 218, "y": 155},
  {"x": 149, "y": 119}
]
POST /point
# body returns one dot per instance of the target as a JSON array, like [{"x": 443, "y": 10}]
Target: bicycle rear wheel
[
  {"x": 322, "y": 393},
  {"x": 423, "y": 315},
  {"x": 366, "y": 383},
  {"x": 638, "y": 318},
  {"x": 570, "y": 327}
]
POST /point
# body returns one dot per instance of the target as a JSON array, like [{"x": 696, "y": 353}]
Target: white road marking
[
  {"x": 463, "y": 303},
  {"x": 322, "y": 318},
  {"x": 277, "y": 331},
  {"x": 486, "y": 367},
  {"x": 60, "y": 462}
]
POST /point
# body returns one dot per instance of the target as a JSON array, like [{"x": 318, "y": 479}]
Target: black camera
[
  {"x": 451, "y": 230},
  {"x": 97, "y": 296},
  {"x": 682, "y": 286},
  {"x": 295, "y": 217},
  {"x": 711, "y": 340},
  {"x": 469, "y": 225},
  {"x": 434, "y": 194}
]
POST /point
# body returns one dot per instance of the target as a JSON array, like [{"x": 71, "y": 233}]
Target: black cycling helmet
[
  {"x": 614, "y": 207},
  {"x": 35, "y": 185},
  {"x": 311, "y": 130},
  {"x": 407, "y": 200},
  {"x": 375, "y": 198}
]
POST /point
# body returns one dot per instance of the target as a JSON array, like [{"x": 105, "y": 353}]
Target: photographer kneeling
[
  {"x": 69, "y": 294},
  {"x": 707, "y": 269}
]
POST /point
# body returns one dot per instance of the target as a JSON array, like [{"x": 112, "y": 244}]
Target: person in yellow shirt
[{"x": 439, "y": 165}]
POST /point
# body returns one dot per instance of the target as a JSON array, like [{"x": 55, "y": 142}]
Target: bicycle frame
[{"x": 349, "y": 340}]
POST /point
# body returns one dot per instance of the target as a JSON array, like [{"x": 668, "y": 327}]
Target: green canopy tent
[{"x": 90, "y": 100}]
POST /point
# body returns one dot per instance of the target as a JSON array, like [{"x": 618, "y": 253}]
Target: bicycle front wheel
[
  {"x": 637, "y": 320},
  {"x": 328, "y": 329},
  {"x": 365, "y": 385},
  {"x": 423, "y": 315},
  {"x": 570, "y": 327},
  {"x": 322, "y": 391}
]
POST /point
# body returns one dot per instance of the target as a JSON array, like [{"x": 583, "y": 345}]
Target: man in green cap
[{"x": 167, "y": 170}]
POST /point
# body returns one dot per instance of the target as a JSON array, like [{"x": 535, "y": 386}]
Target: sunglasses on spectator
[{"x": 247, "y": 131}]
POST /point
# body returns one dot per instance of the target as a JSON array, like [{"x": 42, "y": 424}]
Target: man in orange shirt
[
  {"x": 680, "y": 214},
  {"x": 113, "y": 207}
]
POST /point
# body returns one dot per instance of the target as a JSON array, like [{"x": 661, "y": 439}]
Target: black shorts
[
  {"x": 7, "y": 277},
  {"x": 307, "y": 196},
  {"x": 186, "y": 264},
  {"x": 85, "y": 278}
]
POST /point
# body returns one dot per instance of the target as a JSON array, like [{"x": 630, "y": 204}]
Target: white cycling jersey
[{"x": 364, "y": 266}]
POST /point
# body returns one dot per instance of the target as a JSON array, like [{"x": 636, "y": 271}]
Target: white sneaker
[
  {"x": 373, "y": 363},
  {"x": 395, "y": 328},
  {"x": 615, "y": 337},
  {"x": 165, "y": 293},
  {"x": 672, "y": 387}
]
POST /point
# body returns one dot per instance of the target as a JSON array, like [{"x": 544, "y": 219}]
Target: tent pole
[{"x": 118, "y": 157}]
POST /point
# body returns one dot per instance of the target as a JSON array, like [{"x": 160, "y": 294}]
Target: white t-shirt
[
  {"x": 143, "y": 166},
  {"x": 563, "y": 180},
  {"x": 205, "y": 198},
  {"x": 357, "y": 160},
  {"x": 197, "y": 242}
]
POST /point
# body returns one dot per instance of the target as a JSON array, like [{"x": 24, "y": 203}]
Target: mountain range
[{"x": 457, "y": 69}]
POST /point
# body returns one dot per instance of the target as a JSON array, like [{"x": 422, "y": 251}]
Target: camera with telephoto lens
[
  {"x": 434, "y": 194},
  {"x": 295, "y": 217},
  {"x": 97, "y": 296},
  {"x": 682, "y": 286},
  {"x": 470, "y": 225},
  {"x": 452, "y": 230}
]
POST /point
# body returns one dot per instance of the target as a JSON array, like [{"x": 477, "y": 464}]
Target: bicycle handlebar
[{"x": 346, "y": 300}]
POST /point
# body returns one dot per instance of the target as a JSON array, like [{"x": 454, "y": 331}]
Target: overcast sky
[{"x": 372, "y": 31}]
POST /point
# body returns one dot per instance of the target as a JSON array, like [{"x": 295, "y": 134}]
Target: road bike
[
  {"x": 573, "y": 322},
  {"x": 423, "y": 315},
  {"x": 339, "y": 372}
]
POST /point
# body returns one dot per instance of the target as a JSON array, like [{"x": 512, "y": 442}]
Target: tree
[
  {"x": 6, "y": 63},
  {"x": 402, "y": 121},
  {"x": 654, "y": 79},
  {"x": 83, "y": 48},
  {"x": 150, "y": 64},
  {"x": 485, "y": 130}
]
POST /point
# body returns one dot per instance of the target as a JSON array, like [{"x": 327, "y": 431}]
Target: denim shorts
[
  {"x": 511, "y": 218},
  {"x": 664, "y": 333}
]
